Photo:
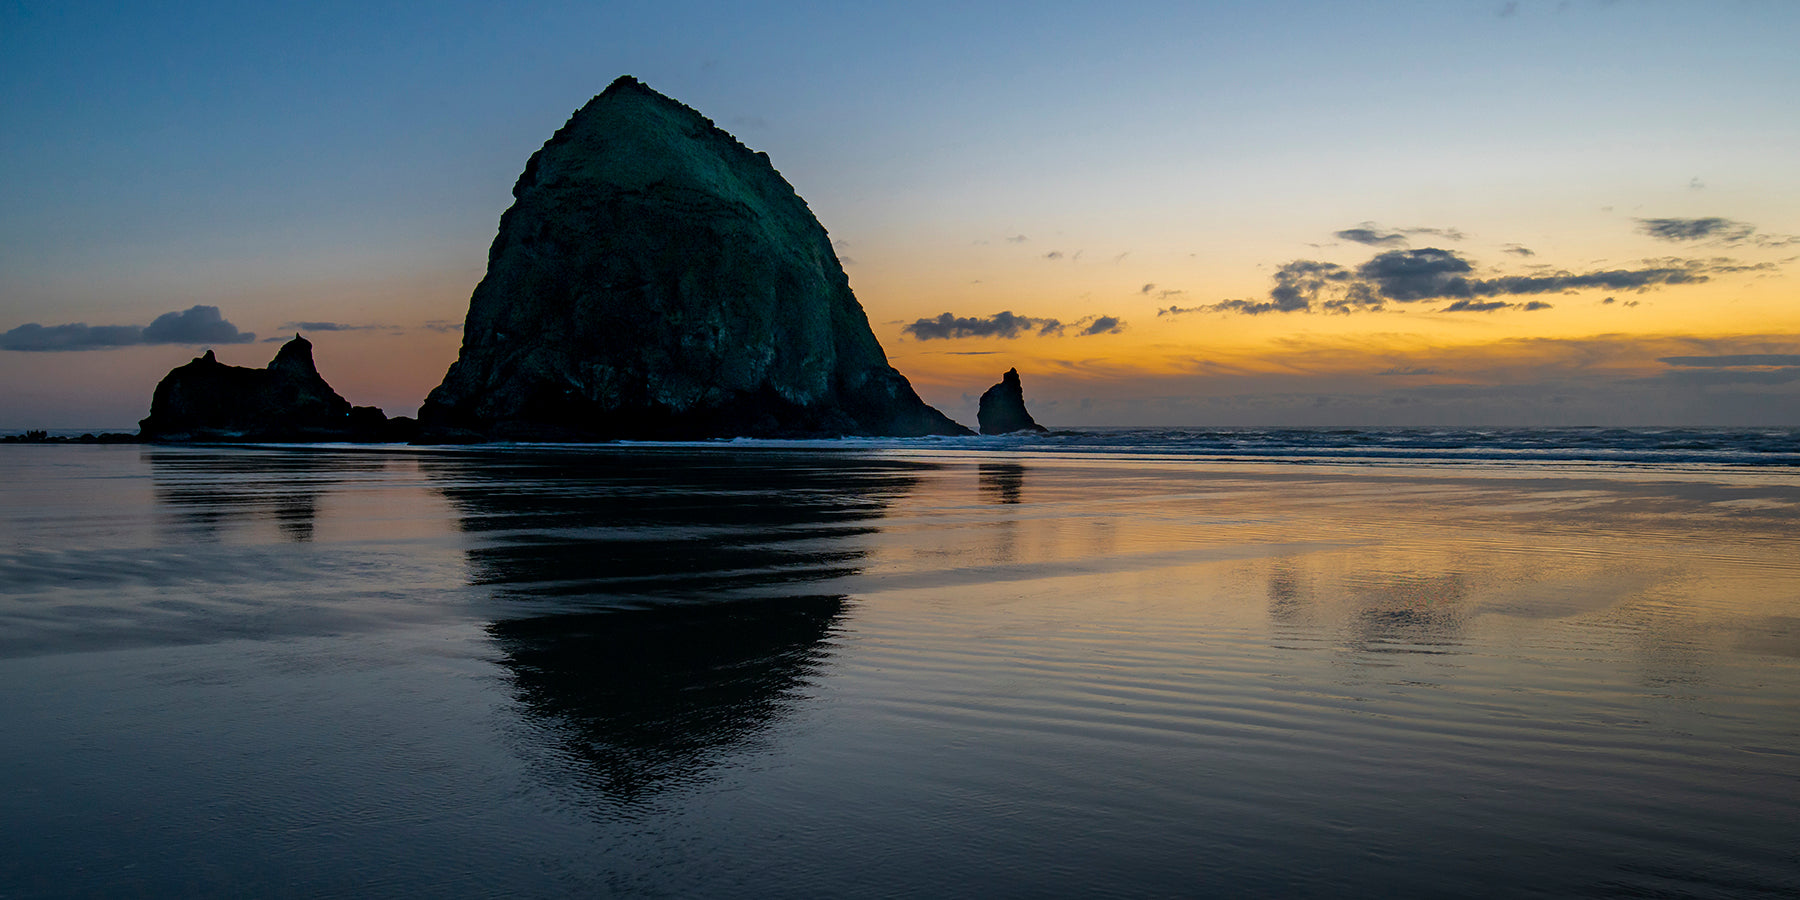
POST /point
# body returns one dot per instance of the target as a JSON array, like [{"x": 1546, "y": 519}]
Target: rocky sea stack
[
  {"x": 288, "y": 401},
  {"x": 654, "y": 278},
  {"x": 1003, "y": 407}
]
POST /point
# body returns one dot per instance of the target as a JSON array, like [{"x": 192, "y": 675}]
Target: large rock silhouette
[
  {"x": 1002, "y": 408},
  {"x": 209, "y": 399},
  {"x": 289, "y": 400},
  {"x": 655, "y": 278}
]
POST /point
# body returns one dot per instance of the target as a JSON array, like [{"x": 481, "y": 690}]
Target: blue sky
[{"x": 347, "y": 164}]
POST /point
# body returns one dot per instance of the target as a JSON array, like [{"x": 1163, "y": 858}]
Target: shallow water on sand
[{"x": 891, "y": 672}]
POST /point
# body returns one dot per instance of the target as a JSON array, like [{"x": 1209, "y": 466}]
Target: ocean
[{"x": 1103, "y": 662}]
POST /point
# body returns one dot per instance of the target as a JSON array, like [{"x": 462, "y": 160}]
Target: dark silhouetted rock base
[{"x": 207, "y": 400}]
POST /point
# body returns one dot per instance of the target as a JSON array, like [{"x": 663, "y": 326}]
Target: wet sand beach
[{"x": 931, "y": 670}]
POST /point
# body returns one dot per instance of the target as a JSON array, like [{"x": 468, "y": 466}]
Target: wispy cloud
[
  {"x": 1374, "y": 235},
  {"x": 1101, "y": 325},
  {"x": 1003, "y": 324},
  {"x": 1431, "y": 273},
  {"x": 1711, "y": 228},
  {"x": 1368, "y": 234},
  {"x": 1733, "y": 360},
  {"x": 1477, "y": 306},
  {"x": 329, "y": 326},
  {"x": 195, "y": 325},
  {"x": 1006, "y": 324}
]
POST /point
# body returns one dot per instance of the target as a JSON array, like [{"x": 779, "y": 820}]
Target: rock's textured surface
[
  {"x": 1003, "y": 407},
  {"x": 288, "y": 401},
  {"x": 655, "y": 278}
]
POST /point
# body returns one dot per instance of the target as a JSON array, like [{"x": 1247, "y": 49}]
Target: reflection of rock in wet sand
[
  {"x": 1373, "y": 615},
  {"x": 646, "y": 698},
  {"x": 1001, "y": 482},
  {"x": 653, "y": 608},
  {"x": 209, "y": 490},
  {"x": 1415, "y": 612},
  {"x": 607, "y": 530}
]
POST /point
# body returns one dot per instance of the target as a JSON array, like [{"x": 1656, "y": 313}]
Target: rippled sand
[{"x": 891, "y": 672}]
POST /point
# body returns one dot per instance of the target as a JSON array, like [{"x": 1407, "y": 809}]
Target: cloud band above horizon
[{"x": 195, "y": 325}]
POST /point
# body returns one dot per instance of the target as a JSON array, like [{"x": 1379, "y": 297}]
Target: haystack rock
[
  {"x": 654, "y": 278},
  {"x": 287, "y": 401},
  {"x": 1003, "y": 407}
]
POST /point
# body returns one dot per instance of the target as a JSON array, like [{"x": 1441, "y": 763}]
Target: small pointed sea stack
[
  {"x": 656, "y": 279},
  {"x": 1003, "y": 408}
]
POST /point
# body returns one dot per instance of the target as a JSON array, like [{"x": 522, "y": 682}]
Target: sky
[{"x": 1541, "y": 212}]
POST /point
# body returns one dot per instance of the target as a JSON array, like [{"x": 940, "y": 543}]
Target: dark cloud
[
  {"x": 34, "y": 337},
  {"x": 1103, "y": 325},
  {"x": 1298, "y": 284},
  {"x": 1376, "y": 236},
  {"x": 1476, "y": 306},
  {"x": 1409, "y": 370},
  {"x": 1494, "y": 305},
  {"x": 197, "y": 325},
  {"x": 1366, "y": 234},
  {"x": 1518, "y": 250},
  {"x": 1615, "y": 279},
  {"x": 1017, "y": 239},
  {"x": 1247, "y": 307},
  {"x": 1180, "y": 310},
  {"x": 1002, "y": 324},
  {"x": 1147, "y": 289},
  {"x": 1054, "y": 254},
  {"x": 1733, "y": 360},
  {"x": 1408, "y": 275},
  {"x": 1431, "y": 273},
  {"x": 443, "y": 325},
  {"x": 1711, "y": 228}
]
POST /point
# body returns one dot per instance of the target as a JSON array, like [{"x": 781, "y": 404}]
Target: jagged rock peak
[
  {"x": 294, "y": 356},
  {"x": 655, "y": 278},
  {"x": 1002, "y": 408}
]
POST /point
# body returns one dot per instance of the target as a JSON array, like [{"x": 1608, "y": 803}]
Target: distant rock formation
[
  {"x": 655, "y": 278},
  {"x": 1003, "y": 408},
  {"x": 288, "y": 401}
]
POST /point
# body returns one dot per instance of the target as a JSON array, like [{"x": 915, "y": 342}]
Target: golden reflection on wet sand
[{"x": 714, "y": 671}]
